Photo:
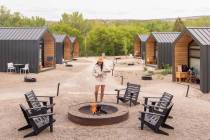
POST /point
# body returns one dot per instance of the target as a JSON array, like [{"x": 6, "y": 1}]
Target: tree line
[{"x": 112, "y": 37}]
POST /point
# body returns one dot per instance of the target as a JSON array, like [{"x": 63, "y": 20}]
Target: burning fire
[{"x": 93, "y": 108}]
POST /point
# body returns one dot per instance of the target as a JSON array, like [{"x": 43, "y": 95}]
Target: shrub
[
  {"x": 145, "y": 68},
  {"x": 151, "y": 72},
  {"x": 166, "y": 69}
]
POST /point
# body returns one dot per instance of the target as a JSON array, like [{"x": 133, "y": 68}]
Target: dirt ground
[{"x": 191, "y": 115}]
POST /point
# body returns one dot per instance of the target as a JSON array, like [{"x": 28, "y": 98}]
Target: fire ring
[{"x": 108, "y": 114}]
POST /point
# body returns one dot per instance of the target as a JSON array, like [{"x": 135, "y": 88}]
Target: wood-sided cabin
[
  {"x": 75, "y": 46},
  {"x": 192, "y": 48},
  {"x": 63, "y": 48},
  {"x": 27, "y": 45},
  {"x": 139, "y": 46},
  {"x": 159, "y": 48}
]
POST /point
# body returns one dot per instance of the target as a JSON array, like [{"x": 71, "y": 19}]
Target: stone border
[{"x": 96, "y": 120}]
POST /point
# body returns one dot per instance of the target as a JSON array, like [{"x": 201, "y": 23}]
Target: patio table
[{"x": 18, "y": 67}]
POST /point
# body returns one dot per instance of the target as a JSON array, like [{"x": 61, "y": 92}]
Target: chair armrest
[
  {"x": 154, "y": 106},
  {"x": 159, "y": 101},
  {"x": 152, "y": 113},
  {"x": 36, "y": 101},
  {"x": 152, "y": 97},
  {"x": 42, "y": 115},
  {"x": 49, "y": 106},
  {"x": 120, "y": 89},
  {"x": 46, "y": 96}
]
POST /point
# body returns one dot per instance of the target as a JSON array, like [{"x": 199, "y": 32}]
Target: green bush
[
  {"x": 151, "y": 72},
  {"x": 145, "y": 68},
  {"x": 166, "y": 69}
]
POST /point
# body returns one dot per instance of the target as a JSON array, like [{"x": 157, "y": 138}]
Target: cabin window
[{"x": 194, "y": 59}]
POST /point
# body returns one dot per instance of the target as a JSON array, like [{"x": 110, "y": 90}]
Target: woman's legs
[
  {"x": 96, "y": 92},
  {"x": 102, "y": 92}
]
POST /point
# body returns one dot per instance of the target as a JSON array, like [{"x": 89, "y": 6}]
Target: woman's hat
[{"x": 100, "y": 59}]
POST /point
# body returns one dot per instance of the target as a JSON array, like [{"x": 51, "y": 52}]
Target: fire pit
[
  {"x": 29, "y": 79},
  {"x": 97, "y": 113}
]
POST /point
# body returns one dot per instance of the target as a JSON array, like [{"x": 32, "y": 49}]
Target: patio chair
[
  {"x": 154, "y": 120},
  {"x": 33, "y": 102},
  {"x": 10, "y": 67},
  {"x": 162, "y": 101},
  {"x": 25, "y": 69},
  {"x": 131, "y": 94},
  {"x": 37, "y": 122},
  {"x": 156, "y": 106}
]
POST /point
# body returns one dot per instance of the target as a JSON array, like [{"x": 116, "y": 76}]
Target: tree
[
  {"x": 112, "y": 40},
  {"x": 15, "y": 19},
  {"x": 76, "y": 20},
  {"x": 199, "y": 22},
  {"x": 178, "y": 25}
]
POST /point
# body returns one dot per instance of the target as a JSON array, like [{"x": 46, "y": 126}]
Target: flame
[{"x": 93, "y": 108}]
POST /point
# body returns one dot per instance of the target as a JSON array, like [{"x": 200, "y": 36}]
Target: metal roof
[
  {"x": 59, "y": 38},
  {"x": 143, "y": 38},
  {"x": 165, "y": 37},
  {"x": 200, "y": 34},
  {"x": 21, "y": 33},
  {"x": 72, "y": 39}
]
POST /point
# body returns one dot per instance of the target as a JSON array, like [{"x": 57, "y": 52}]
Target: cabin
[
  {"x": 159, "y": 48},
  {"x": 192, "y": 49},
  {"x": 63, "y": 48},
  {"x": 139, "y": 46},
  {"x": 27, "y": 45},
  {"x": 75, "y": 47}
]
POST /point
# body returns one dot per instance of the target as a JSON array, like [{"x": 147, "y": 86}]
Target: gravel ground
[{"x": 190, "y": 115}]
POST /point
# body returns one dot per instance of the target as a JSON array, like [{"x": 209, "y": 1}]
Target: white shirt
[{"x": 100, "y": 75}]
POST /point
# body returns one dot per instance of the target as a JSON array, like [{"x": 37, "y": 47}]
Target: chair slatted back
[
  {"x": 152, "y": 119},
  {"x": 36, "y": 123},
  {"x": 133, "y": 89},
  {"x": 26, "y": 66},
  {"x": 26, "y": 114},
  {"x": 31, "y": 99},
  {"x": 157, "y": 120},
  {"x": 41, "y": 121},
  {"x": 165, "y": 100},
  {"x": 10, "y": 65}
]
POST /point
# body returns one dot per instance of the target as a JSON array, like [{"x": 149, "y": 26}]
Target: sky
[{"x": 110, "y": 9}]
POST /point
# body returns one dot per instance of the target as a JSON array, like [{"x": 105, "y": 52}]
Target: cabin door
[
  {"x": 63, "y": 51},
  {"x": 41, "y": 51},
  {"x": 155, "y": 54}
]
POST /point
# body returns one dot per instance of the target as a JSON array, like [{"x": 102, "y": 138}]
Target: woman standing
[{"x": 99, "y": 73}]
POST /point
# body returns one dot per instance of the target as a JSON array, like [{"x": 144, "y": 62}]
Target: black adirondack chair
[
  {"x": 154, "y": 120},
  {"x": 34, "y": 102},
  {"x": 38, "y": 122},
  {"x": 131, "y": 94},
  {"x": 158, "y": 106},
  {"x": 162, "y": 101}
]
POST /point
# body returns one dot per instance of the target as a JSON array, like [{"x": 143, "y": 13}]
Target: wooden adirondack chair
[
  {"x": 158, "y": 106},
  {"x": 37, "y": 122},
  {"x": 34, "y": 102},
  {"x": 154, "y": 120},
  {"x": 131, "y": 94}
]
